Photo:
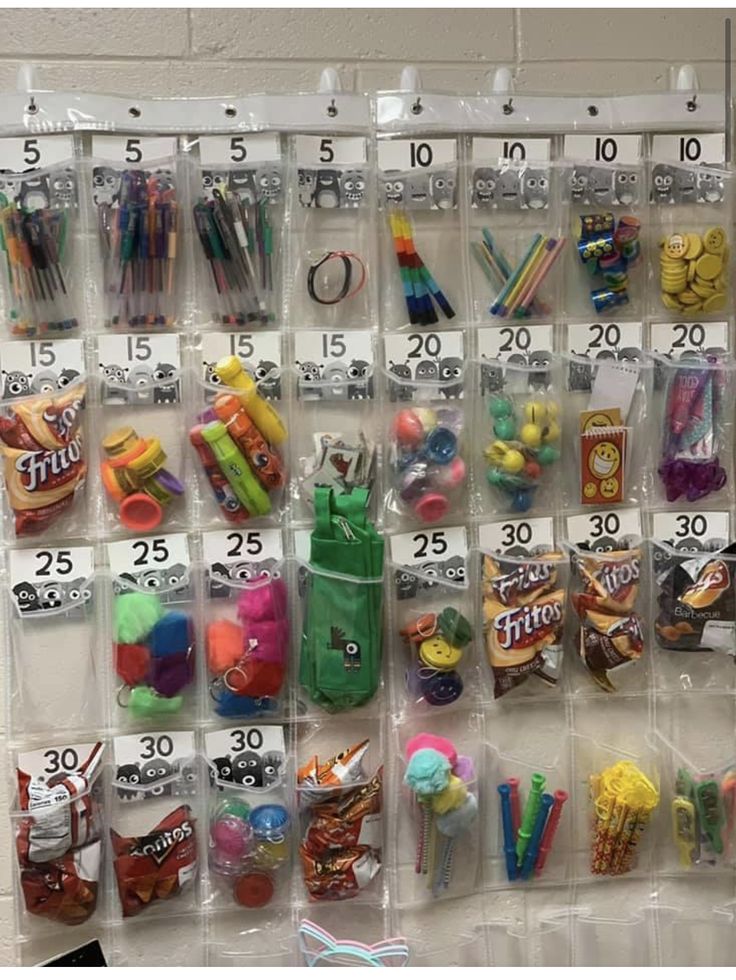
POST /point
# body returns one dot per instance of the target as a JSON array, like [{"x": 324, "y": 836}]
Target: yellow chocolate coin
[
  {"x": 708, "y": 266},
  {"x": 703, "y": 290},
  {"x": 688, "y": 297},
  {"x": 695, "y": 246},
  {"x": 670, "y": 302},
  {"x": 714, "y": 240},
  {"x": 676, "y": 246},
  {"x": 715, "y": 304}
]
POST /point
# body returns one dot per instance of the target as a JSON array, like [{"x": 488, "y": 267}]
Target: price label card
[
  {"x": 22, "y": 153},
  {"x": 248, "y": 149},
  {"x": 403, "y": 155},
  {"x": 520, "y": 344},
  {"x": 158, "y": 564},
  {"x": 428, "y": 359},
  {"x": 46, "y": 579},
  {"x": 57, "y": 760},
  {"x": 691, "y": 531},
  {"x": 525, "y": 536},
  {"x": 140, "y": 370},
  {"x": 622, "y": 148},
  {"x": 620, "y": 341},
  {"x": 605, "y": 530},
  {"x": 252, "y": 757},
  {"x": 517, "y": 148},
  {"x": 438, "y": 555},
  {"x": 700, "y": 148},
  {"x": 151, "y": 764},
  {"x": 132, "y": 150},
  {"x": 326, "y": 151},
  {"x": 239, "y": 557},
  {"x": 40, "y": 367},
  {"x": 259, "y": 353},
  {"x": 676, "y": 339},
  {"x": 336, "y": 366}
]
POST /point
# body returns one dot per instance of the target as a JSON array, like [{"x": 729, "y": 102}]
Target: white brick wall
[{"x": 227, "y": 51}]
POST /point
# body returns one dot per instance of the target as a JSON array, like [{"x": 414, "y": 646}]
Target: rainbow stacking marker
[{"x": 420, "y": 287}]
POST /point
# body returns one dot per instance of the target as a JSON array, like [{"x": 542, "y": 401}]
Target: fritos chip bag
[
  {"x": 611, "y": 632},
  {"x": 523, "y": 618},
  {"x": 43, "y": 457},
  {"x": 158, "y": 865}
]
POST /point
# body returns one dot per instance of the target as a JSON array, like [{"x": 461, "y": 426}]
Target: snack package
[
  {"x": 158, "y": 865},
  {"x": 604, "y": 597},
  {"x": 523, "y": 617},
  {"x": 704, "y": 817},
  {"x": 58, "y": 832},
  {"x": 44, "y": 463},
  {"x": 341, "y": 816}
]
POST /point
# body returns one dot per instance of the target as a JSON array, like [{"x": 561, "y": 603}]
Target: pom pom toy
[
  {"x": 136, "y": 613},
  {"x": 427, "y": 772}
]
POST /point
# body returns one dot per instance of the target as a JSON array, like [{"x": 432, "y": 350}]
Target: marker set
[{"x": 357, "y": 425}]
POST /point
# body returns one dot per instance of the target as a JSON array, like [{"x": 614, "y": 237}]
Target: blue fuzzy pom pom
[{"x": 427, "y": 772}]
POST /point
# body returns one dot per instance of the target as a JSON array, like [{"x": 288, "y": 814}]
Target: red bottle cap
[
  {"x": 432, "y": 507},
  {"x": 253, "y": 890},
  {"x": 139, "y": 512}
]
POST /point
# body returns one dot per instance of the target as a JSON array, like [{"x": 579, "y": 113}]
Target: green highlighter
[{"x": 235, "y": 469}]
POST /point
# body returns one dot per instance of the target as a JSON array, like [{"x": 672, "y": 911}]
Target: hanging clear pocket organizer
[
  {"x": 53, "y": 608},
  {"x": 336, "y": 419},
  {"x": 246, "y": 623},
  {"x": 437, "y": 835},
  {"x": 153, "y": 669},
  {"x": 432, "y": 641},
  {"x": 692, "y": 219},
  {"x": 607, "y": 431},
  {"x": 156, "y": 826},
  {"x": 142, "y": 455},
  {"x": 238, "y": 214},
  {"x": 422, "y": 259},
  {"x": 331, "y": 270},
  {"x": 239, "y": 438},
  {"x": 44, "y": 460},
  {"x": 608, "y": 599},
  {"x": 39, "y": 237},
  {"x": 251, "y": 826},
  {"x": 137, "y": 190},
  {"x": 428, "y": 466},
  {"x": 340, "y": 797},
  {"x": 57, "y": 820},
  {"x": 516, "y": 239},
  {"x": 607, "y": 215},
  {"x": 517, "y": 466}
]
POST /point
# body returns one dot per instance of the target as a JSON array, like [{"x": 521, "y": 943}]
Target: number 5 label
[
  {"x": 325, "y": 151},
  {"x": 133, "y": 150},
  {"x": 21, "y": 153},
  {"x": 258, "y": 148}
]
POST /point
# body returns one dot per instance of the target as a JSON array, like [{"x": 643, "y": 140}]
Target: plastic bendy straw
[
  {"x": 623, "y": 799},
  {"x": 421, "y": 292}
]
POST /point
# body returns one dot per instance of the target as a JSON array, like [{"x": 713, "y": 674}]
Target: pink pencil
[{"x": 544, "y": 267}]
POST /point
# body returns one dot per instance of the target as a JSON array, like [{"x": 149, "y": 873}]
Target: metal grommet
[
  {"x": 508, "y": 107},
  {"x": 417, "y": 107},
  {"x": 231, "y": 111},
  {"x": 134, "y": 111},
  {"x": 592, "y": 110},
  {"x": 692, "y": 104},
  {"x": 332, "y": 109},
  {"x": 32, "y": 108}
]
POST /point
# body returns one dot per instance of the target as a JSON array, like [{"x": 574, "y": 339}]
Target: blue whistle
[{"x": 509, "y": 844}]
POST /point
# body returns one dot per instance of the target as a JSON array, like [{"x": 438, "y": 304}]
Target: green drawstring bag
[{"x": 340, "y": 661}]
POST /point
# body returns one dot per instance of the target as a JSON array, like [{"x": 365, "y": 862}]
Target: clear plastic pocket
[
  {"x": 517, "y": 465},
  {"x": 39, "y": 240},
  {"x": 247, "y": 644},
  {"x": 153, "y": 647}
]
